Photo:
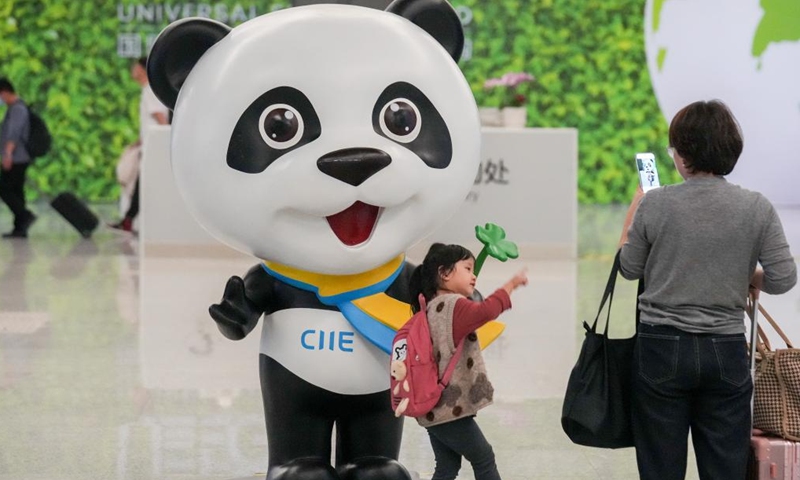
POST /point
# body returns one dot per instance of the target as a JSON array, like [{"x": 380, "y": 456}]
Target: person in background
[
  {"x": 14, "y": 133},
  {"x": 697, "y": 245},
  {"x": 151, "y": 112},
  {"x": 446, "y": 280}
]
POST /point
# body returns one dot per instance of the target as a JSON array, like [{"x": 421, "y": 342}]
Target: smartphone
[{"x": 648, "y": 174}]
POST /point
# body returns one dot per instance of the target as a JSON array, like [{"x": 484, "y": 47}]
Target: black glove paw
[{"x": 235, "y": 315}]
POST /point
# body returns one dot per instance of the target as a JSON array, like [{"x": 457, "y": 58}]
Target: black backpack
[{"x": 39, "y": 140}]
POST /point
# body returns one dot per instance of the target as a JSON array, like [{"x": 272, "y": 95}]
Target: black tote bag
[{"x": 597, "y": 404}]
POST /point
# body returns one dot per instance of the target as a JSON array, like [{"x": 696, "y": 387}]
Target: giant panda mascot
[{"x": 325, "y": 141}]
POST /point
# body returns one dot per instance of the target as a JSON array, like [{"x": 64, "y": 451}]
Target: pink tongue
[{"x": 354, "y": 225}]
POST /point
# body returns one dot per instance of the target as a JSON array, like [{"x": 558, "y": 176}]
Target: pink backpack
[{"x": 415, "y": 383}]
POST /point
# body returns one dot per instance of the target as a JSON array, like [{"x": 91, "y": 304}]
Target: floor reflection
[{"x": 110, "y": 367}]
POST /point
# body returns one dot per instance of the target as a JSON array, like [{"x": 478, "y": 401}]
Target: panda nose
[{"x": 353, "y": 165}]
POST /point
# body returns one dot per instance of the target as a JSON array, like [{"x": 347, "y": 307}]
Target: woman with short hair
[{"x": 697, "y": 245}]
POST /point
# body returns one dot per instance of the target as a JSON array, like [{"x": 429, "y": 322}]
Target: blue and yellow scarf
[{"x": 361, "y": 299}]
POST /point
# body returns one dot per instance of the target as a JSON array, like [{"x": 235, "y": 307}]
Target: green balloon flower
[{"x": 493, "y": 238}]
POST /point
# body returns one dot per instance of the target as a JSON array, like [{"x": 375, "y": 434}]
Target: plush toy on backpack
[{"x": 399, "y": 373}]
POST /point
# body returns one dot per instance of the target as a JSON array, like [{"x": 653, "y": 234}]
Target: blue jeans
[
  {"x": 463, "y": 437},
  {"x": 691, "y": 382}
]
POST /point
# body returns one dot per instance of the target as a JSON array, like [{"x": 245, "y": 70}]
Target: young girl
[{"x": 446, "y": 280}]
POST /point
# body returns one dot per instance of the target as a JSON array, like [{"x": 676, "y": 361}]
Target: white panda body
[{"x": 325, "y": 141}]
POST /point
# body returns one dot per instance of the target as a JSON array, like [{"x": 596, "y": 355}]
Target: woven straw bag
[{"x": 776, "y": 406}]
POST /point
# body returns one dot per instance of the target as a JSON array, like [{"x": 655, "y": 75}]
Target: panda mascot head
[{"x": 327, "y": 138}]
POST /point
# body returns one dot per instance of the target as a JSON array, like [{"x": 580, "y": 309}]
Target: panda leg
[
  {"x": 368, "y": 441},
  {"x": 298, "y": 429},
  {"x": 373, "y": 468},
  {"x": 303, "y": 469}
]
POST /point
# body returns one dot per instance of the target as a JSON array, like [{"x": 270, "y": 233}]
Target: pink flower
[
  {"x": 509, "y": 80},
  {"x": 494, "y": 82}
]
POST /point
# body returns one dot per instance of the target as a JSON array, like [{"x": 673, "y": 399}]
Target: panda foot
[
  {"x": 303, "y": 469},
  {"x": 374, "y": 468}
]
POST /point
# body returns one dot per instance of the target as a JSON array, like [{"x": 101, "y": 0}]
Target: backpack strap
[
  {"x": 451, "y": 366},
  {"x": 30, "y": 114}
]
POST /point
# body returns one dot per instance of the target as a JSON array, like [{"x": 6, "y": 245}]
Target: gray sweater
[
  {"x": 16, "y": 128},
  {"x": 697, "y": 245}
]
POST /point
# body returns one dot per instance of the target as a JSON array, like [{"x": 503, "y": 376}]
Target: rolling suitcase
[
  {"x": 76, "y": 213},
  {"x": 771, "y": 458}
]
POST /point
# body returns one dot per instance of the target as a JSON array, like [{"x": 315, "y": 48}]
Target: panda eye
[
  {"x": 400, "y": 120},
  {"x": 281, "y": 126}
]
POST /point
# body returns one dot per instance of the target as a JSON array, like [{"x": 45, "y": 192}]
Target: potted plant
[{"x": 513, "y": 106}]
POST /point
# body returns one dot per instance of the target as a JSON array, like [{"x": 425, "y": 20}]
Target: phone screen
[{"x": 648, "y": 175}]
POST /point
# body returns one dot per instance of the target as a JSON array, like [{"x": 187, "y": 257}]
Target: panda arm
[
  {"x": 242, "y": 303},
  {"x": 399, "y": 289}
]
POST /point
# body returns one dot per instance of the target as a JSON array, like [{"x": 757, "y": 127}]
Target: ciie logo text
[{"x": 321, "y": 340}]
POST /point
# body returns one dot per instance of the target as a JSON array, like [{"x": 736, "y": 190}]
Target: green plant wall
[
  {"x": 587, "y": 55},
  {"x": 61, "y": 56}
]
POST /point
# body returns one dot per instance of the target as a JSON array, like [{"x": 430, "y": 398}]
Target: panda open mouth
[{"x": 354, "y": 225}]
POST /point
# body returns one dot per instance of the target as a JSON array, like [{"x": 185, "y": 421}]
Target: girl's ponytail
[{"x": 415, "y": 287}]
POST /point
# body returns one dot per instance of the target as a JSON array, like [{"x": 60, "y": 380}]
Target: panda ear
[
  {"x": 176, "y": 51},
  {"x": 437, "y": 17}
]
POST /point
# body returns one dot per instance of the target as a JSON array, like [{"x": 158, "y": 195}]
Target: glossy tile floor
[{"x": 110, "y": 367}]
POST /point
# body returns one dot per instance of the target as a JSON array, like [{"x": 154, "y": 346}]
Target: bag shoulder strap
[
  {"x": 608, "y": 296},
  {"x": 451, "y": 365},
  {"x": 763, "y": 341},
  {"x": 775, "y": 326}
]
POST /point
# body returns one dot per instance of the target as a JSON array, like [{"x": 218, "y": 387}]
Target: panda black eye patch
[
  {"x": 404, "y": 115},
  {"x": 278, "y": 122}
]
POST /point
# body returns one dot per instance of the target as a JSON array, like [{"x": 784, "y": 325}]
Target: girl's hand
[{"x": 520, "y": 278}]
